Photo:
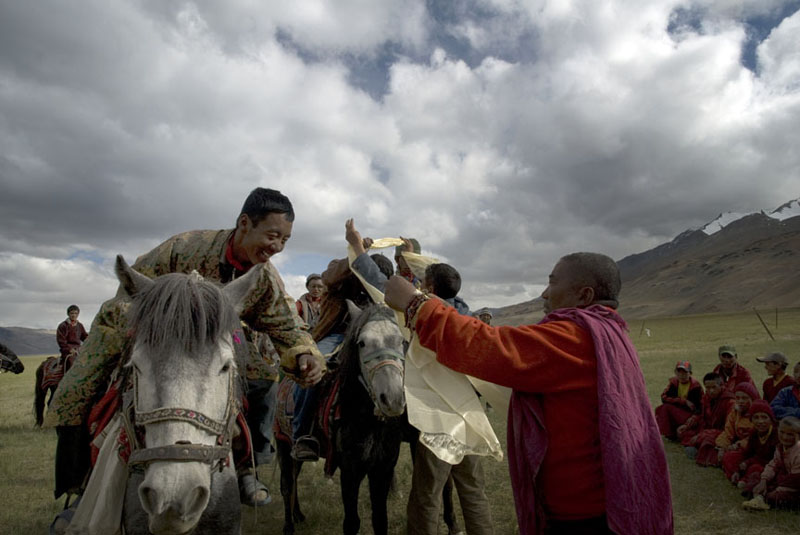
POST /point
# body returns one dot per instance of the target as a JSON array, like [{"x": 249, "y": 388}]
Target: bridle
[
  {"x": 374, "y": 361},
  {"x": 215, "y": 456}
]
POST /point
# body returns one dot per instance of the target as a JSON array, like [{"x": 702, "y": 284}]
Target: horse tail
[{"x": 39, "y": 395}]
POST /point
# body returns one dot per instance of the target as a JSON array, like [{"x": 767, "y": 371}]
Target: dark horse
[
  {"x": 365, "y": 439},
  {"x": 184, "y": 359},
  {"x": 9, "y": 361},
  {"x": 48, "y": 375}
]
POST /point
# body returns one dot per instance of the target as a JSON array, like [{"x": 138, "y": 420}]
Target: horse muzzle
[{"x": 174, "y": 496}]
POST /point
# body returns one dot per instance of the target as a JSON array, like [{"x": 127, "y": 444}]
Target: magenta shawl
[{"x": 638, "y": 496}]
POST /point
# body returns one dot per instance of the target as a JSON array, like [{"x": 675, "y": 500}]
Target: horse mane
[
  {"x": 349, "y": 363},
  {"x": 182, "y": 312}
]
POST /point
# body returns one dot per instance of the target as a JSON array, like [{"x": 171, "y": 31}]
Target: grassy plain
[{"x": 704, "y": 502}]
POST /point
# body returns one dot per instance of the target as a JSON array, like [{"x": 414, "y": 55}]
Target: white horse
[{"x": 184, "y": 363}]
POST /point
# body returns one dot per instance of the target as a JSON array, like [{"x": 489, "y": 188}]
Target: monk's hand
[
  {"x": 399, "y": 293},
  {"x": 353, "y": 237},
  {"x": 680, "y": 429},
  {"x": 311, "y": 369},
  {"x": 689, "y": 405},
  {"x": 761, "y": 488}
]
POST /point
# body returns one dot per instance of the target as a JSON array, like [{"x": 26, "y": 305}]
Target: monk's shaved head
[{"x": 598, "y": 272}]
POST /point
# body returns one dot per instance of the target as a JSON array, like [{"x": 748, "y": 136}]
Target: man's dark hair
[
  {"x": 384, "y": 264},
  {"x": 445, "y": 280},
  {"x": 711, "y": 376},
  {"x": 264, "y": 201},
  {"x": 73, "y": 307},
  {"x": 599, "y": 272}
]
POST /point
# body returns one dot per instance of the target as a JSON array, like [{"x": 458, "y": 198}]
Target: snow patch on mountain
[
  {"x": 787, "y": 210},
  {"x": 784, "y": 211}
]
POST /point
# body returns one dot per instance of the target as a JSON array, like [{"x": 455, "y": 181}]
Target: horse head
[
  {"x": 374, "y": 336},
  {"x": 183, "y": 363},
  {"x": 9, "y": 362}
]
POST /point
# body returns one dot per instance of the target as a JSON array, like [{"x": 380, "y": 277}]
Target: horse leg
[
  {"x": 380, "y": 481},
  {"x": 352, "y": 475},
  {"x": 288, "y": 486},
  {"x": 39, "y": 395}
]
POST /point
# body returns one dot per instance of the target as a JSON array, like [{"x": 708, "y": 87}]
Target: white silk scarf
[{"x": 442, "y": 403}]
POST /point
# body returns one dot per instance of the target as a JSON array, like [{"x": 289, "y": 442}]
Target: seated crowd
[{"x": 754, "y": 439}]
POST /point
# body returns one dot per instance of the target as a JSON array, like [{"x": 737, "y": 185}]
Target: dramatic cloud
[{"x": 502, "y": 134}]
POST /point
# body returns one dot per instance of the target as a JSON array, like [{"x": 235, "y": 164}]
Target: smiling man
[
  {"x": 585, "y": 454},
  {"x": 262, "y": 229}
]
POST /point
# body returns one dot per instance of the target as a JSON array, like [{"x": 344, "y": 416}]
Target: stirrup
[{"x": 305, "y": 449}]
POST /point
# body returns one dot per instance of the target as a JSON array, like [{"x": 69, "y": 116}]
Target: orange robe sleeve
[{"x": 553, "y": 357}]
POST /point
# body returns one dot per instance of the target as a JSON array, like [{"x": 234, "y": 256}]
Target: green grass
[{"x": 704, "y": 502}]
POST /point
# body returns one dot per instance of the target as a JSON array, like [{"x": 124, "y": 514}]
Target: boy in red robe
[
  {"x": 775, "y": 364},
  {"x": 681, "y": 399},
  {"x": 730, "y": 370},
  {"x": 743, "y": 467},
  {"x": 716, "y": 403}
]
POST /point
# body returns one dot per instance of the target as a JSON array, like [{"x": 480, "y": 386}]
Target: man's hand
[
  {"x": 407, "y": 245},
  {"x": 689, "y": 405},
  {"x": 681, "y": 429},
  {"x": 399, "y": 293},
  {"x": 353, "y": 237},
  {"x": 311, "y": 370},
  {"x": 761, "y": 488}
]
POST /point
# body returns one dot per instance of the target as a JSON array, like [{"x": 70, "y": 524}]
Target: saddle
[
  {"x": 326, "y": 417},
  {"x": 52, "y": 372}
]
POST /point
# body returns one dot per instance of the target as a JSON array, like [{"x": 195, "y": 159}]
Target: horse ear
[
  {"x": 237, "y": 290},
  {"x": 131, "y": 280},
  {"x": 353, "y": 309}
]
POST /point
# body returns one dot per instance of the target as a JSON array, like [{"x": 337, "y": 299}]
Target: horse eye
[
  {"x": 226, "y": 367},
  {"x": 362, "y": 344}
]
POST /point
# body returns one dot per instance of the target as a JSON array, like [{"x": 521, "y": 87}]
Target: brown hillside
[{"x": 753, "y": 262}]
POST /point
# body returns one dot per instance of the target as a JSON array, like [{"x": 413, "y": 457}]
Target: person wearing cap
[
  {"x": 787, "y": 402},
  {"x": 682, "y": 398},
  {"x": 485, "y": 316},
  {"x": 775, "y": 364},
  {"x": 730, "y": 370},
  {"x": 308, "y": 304},
  {"x": 743, "y": 467},
  {"x": 706, "y": 426},
  {"x": 736, "y": 431}
]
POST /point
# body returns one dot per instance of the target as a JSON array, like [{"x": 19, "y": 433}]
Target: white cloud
[{"x": 510, "y": 132}]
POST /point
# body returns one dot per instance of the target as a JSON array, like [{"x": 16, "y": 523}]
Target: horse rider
[
  {"x": 69, "y": 335},
  {"x": 263, "y": 227}
]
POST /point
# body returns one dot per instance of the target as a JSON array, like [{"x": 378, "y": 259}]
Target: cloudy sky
[{"x": 500, "y": 133}]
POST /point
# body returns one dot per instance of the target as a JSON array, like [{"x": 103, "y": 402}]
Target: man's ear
[
  {"x": 243, "y": 222},
  {"x": 586, "y": 296}
]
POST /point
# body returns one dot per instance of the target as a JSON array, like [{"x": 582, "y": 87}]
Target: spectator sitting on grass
[
  {"x": 730, "y": 370},
  {"x": 775, "y": 364},
  {"x": 709, "y": 423},
  {"x": 744, "y": 467},
  {"x": 787, "y": 402},
  {"x": 780, "y": 480},
  {"x": 681, "y": 399},
  {"x": 737, "y": 428}
]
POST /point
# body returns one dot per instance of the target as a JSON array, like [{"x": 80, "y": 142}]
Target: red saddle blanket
[{"x": 327, "y": 416}]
